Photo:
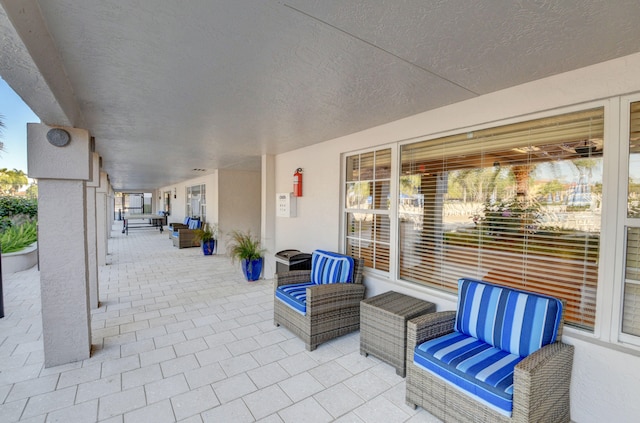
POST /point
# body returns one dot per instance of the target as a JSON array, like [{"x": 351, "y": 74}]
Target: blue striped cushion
[
  {"x": 194, "y": 224},
  {"x": 485, "y": 372},
  {"x": 328, "y": 267},
  {"x": 518, "y": 322},
  {"x": 294, "y": 295}
]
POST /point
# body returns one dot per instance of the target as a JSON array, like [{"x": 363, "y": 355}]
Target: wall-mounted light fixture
[
  {"x": 175, "y": 193},
  {"x": 58, "y": 137}
]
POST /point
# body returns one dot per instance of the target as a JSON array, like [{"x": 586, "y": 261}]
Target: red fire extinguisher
[{"x": 297, "y": 183}]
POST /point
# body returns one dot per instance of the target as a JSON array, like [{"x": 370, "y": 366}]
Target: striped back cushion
[
  {"x": 328, "y": 267},
  {"x": 194, "y": 224},
  {"x": 519, "y": 322},
  {"x": 186, "y": 220}
]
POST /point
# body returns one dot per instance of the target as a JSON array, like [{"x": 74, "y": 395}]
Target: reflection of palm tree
[{"x": 1, "y": 126}]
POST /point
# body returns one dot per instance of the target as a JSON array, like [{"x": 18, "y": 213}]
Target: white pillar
[
  {"x": 102, "y": 217},
  {"x": 94, "y": 291},
  {"x": 268, "y": 214},
  {"x": 60, "y": 159}
]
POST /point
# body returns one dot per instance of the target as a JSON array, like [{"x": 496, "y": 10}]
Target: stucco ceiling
[{"x": 167, "y": 86}]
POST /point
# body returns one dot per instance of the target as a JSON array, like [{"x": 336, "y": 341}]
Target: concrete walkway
[{"x": 183, "y": 337}]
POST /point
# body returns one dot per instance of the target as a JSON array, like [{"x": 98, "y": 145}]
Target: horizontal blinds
[
  {"x": 631, "y": 305},
  {"x": 633, "y": 203},
  {"x": 488, "y": 205},
  {"x": 567, "y": 129},
  {"x": 634, "y": 129},
  {"x": 632, "y": 269},
  {"x": 367, "y": 206}
]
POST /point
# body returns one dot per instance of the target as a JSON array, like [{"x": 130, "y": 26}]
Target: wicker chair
[
  {"x": 541, "y": 381},
  {"x": 332, "y": 309},
  {"x": 185, "y": 238},
  {"x": 174, "y": 226}
]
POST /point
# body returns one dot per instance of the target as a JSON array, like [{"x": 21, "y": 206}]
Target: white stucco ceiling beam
[{"x": 30, "y": 63}]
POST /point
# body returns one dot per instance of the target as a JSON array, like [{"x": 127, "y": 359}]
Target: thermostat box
[{"x": 285, "y": 204}]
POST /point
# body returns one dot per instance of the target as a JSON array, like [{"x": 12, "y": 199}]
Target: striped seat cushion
[
  {"x": 483, "y": 371},
  {"x": 515, "y": 321},
  {"x": 328, "y": 267},
  {"x": 294, "y": 295}
]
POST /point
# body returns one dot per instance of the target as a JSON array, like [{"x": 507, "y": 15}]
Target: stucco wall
[
  {"x": 232, "y": 198},
  {"x": 239, "y": 203},
  {"x": 604, "y": 377}
]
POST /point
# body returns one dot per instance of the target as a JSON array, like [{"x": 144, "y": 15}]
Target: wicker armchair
[
  {"x": 185, "y": 238},
  {"x": 332, "y": 309},
  {"x": 174, "y": 226},
  {"x": 541, "y": 381}
]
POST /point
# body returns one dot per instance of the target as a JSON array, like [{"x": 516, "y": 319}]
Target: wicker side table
[{"x": 383, "y": 326}]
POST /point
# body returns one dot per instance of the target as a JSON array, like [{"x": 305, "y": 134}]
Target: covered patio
[
  {"x": 183, "y": 337},
  {"x": 210, "y": 108}
]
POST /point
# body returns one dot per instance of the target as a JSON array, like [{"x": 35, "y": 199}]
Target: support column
[
  {"x": 60, "y": 159},
  {"x": 268, "y": 213},
  {"x": 103, "y": 227},
  {"x": 94, "y": 290}
]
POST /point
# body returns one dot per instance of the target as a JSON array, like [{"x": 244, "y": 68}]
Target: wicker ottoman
[{"x": 383, "y": 326}]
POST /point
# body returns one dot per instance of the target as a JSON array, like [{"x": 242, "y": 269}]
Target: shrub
[
  {"x": 14, "y": 211},
  {"x": 16, "y": 238},
  {"x": 13, "y": 206}
]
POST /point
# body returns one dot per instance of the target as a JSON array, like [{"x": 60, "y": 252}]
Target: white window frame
[{"x": 622, "y": 223}]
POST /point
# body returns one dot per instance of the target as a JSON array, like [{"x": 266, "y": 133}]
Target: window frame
[
  {"x": 608, "y": 310},
  {"x": 390, "y": 213},
  {"x": 623, "y": 222},
  {"x": 202, "y": 212}
]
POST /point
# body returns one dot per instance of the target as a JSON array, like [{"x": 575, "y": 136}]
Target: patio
[{"x": 183, "y": 337}]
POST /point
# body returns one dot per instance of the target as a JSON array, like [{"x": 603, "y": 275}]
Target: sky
[{"x": 15, "y": 115}]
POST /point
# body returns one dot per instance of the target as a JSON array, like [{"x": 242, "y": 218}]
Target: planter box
[{"x": 20, "y": 260}]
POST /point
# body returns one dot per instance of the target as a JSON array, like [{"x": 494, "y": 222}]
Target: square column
[
  {"x": 94, "y": 291},
  {"x": 103, "y": 227},
  {"x": 60, "y": 159}
]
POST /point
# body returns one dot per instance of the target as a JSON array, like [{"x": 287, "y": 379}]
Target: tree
[{"x": 11, "y": 181}]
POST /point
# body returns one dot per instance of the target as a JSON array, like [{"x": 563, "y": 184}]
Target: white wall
[
  {"x": 604, "y": 378},
  {"x": 178, "y": 204},
  {"x": 239, "y": 203},
  {"x": 233, "y": 201}
]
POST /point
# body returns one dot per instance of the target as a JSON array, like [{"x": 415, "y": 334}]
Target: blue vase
[
  {"x": 208, "y": 247},
  {"x": 252, "y": 269}
]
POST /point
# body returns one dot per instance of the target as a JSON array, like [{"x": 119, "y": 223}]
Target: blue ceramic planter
[
  {"x": 252, "y": 269},
  {"x": 208, "y": 247}
]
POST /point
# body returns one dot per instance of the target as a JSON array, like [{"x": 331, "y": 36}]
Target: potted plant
[
  {"x": 246, "y": 248},
  {"x": 207, "y": 235}
]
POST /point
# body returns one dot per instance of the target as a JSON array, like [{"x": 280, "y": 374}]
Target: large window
[
  {"x": 367, "y": 204},
  {"x": 518, "y": 205},
  {"x": 631, "y": 305},
  {"x": 196, "y": 202}
]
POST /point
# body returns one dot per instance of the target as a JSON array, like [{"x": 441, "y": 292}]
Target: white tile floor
[{"x": 183, "y": 337}]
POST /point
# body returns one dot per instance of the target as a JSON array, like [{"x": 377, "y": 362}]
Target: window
[
  {"x": 518, "y": 205},
  {"x": 631, "y": 304},
  {"x": 196, "y": 202},
  {"x": 367, "y": 204}
]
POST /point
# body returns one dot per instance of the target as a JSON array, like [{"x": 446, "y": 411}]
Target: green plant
[
  {"x": 242, "y": 245},
  {"x": 12, "y": 206},
  {"x": 207, "y": 232},
  {"x": 17, "y": 238},
  {"x": 508, "y": 217}
]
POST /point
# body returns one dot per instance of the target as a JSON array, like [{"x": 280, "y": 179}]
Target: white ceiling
[{"x": 169, "y": 86}]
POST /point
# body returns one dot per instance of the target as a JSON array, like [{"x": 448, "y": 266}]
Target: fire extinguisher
[{"x": 297, "y": 183}]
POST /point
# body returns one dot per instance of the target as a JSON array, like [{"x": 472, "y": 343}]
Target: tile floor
[{"x": 183, "y": 337}]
